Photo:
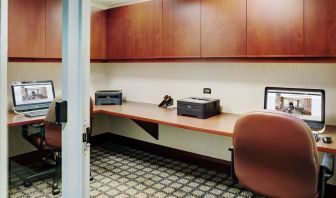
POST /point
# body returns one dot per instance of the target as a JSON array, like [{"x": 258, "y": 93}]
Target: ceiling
[{"x": 106, "y": 4}]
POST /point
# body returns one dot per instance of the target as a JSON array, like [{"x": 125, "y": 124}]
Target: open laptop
[
  {"x": 32, "y": 99},
  {"x": 307, "y": 104}
]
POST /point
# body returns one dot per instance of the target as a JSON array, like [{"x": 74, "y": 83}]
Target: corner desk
[{"x": 149, "y": 116}]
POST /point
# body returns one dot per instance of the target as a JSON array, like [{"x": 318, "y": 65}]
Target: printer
[
  {"x": 199, "y": 107},
  {"x": 108, "y": 97}
]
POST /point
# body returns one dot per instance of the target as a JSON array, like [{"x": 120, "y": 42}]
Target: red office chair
[
  {"x": 274, "y": 155},
  {"x": 50, "y": 138}
]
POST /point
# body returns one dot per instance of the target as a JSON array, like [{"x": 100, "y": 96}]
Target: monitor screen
[
  {"x": 304, "y": 103},
  {"x": 33, "y": 93}
]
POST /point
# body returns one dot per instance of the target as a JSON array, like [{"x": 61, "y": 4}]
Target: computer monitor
[
  {"x": 307, "y": 104},
  {"x": 32, "y": 93}
]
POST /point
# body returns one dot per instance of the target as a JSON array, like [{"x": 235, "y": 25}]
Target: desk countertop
[{"x": 222, "y": 124}]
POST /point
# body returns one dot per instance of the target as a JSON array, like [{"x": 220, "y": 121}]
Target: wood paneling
[
  {"x": 117, "y": 33},
  {"x": 53, "y": 28},
  {"x": 26, "y": 28},
  {"x": 223, "y": 28},
  {"x": 181, "y": 28},
  {"x": 98, "y": 34},
  {"x": 275, "y": 28},
  {"x": 320, "y": 27},
  {"x": 145, "y": 29}
]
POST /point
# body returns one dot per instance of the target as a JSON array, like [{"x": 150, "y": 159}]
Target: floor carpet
[{"x": 121, "y": 171}]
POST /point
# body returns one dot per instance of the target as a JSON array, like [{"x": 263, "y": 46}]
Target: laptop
[
  {"x": 307, "y": 104},
  {"x": 32, "y": 99}
]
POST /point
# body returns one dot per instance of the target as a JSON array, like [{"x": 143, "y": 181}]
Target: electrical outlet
[{"x": 207, "y": 90}]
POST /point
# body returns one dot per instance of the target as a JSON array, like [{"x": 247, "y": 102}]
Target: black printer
[
  {"x": 198, "y": 107},
  {"x": 108, "y": 97}
]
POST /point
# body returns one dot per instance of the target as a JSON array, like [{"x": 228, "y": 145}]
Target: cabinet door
[
  {"x": 26, "y": 28},
  {"x": 223, "y": 27},
  {"x": 53, "y": 28},
  {"x": 98, "y": 34},
  {"x": 320, "y": 27},
  {"x": 275, "y": 28},
  {"x": 181, "y": 28},
  {"x": 144, "y": 33},
  {"x": 117, "y": 33}
]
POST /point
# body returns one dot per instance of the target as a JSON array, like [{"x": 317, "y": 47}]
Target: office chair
[
  {"x": 274, "y": 155},
  {"x": 49, "y": 137}
]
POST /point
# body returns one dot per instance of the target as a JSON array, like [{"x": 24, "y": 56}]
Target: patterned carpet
[{"x": 121, "y": 171}]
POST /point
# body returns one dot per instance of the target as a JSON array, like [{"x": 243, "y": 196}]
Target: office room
[{"x": 167, "y": 98}]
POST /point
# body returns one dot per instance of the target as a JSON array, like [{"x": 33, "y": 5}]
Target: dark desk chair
[
  {"x": 274, "y": 155},
  {"x": 49, "y": 137}
]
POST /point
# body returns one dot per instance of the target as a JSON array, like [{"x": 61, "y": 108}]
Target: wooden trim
[
  {"x": 53, "y": 60},
  {"x": 231, "y": 59}
]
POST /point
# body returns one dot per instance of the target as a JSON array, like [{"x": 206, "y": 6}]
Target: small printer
[
  {"x": 198, "y": 107},
  {"x": 108, "y": 97}
]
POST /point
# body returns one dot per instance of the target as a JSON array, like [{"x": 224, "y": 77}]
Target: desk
[
  {"x": 222, "y": 124},
  {"x": 20, "y": 120}
]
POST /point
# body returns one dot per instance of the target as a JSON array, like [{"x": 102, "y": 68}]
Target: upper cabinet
[
  {"x": 35, "y": 30},
  {"x": 181, "y": 28},
  {"x": 275, "y": 28},
  {"x": 53, "y": 29},
  {"x": 135, "y": 31},
  {"x": 117, "y": 33},
  {"x": 98, "y": 34},
  {"x": 223, "y": 28},
  {"x": 320, "y": 27},
  {"x": 26, "y": 28}
]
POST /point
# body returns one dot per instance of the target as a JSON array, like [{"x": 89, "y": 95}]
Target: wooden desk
[
  {"x": 20, "y": 120},
  {"x": 222, "y": 124}
]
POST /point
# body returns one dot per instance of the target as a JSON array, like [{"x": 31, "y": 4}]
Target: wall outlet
[{"x": 206, "y": 90}]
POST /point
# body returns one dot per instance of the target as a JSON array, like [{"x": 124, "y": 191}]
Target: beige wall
[{"x": 240, "y": 86}]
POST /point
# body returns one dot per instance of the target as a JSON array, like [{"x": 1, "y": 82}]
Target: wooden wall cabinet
[
  {"x": 98, "y": 35},
  {"x": 275, "y": 28},
  {"x": 223, "y": 28},
  {"x": 53, "y": 29},
  {"x": 135, "y": 31},
  {"x": 181, "y": 28},
  {"x": 117, "y": 33},
  {"x": 320, "y": 27},
  {"x": 26, "y": 28},
  {"x": 35, "y": 30}
]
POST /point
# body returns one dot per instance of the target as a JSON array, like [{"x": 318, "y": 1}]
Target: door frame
[
  {"x": 3, "y": 98},
  {"x": 75, "y": 90}
]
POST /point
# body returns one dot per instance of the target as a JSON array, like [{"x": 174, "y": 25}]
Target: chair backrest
[
  {"x": 53, "y": 131},
  {"x": 275, "y": 155}
]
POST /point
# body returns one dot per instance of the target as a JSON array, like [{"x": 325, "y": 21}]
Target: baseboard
[{"x": 197, "y": 159}]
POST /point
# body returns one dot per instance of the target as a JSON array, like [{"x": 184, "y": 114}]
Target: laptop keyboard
[{"x": 36, "y": 113}]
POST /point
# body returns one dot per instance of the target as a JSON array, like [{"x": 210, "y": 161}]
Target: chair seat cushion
[
  {"x": 36, "y": 139},
  {"x": 53, "y": 135}
]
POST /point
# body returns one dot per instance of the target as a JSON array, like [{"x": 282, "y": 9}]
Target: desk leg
[{"x": 151, "y": 128}]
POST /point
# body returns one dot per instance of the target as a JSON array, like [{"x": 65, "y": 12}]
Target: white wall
[{"x": 239, "y": 86}]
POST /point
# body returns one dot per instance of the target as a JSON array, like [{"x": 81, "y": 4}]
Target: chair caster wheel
[
  {"x": 56, "y": 191},
  {"x": 27, "y": 183}
]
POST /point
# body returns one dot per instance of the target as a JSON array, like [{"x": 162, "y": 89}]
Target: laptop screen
[
  {"x": 307, "y": 104},
  {"x": 29, "y": 93}
]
